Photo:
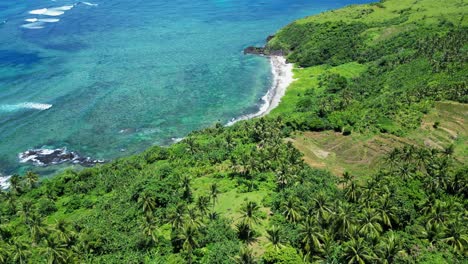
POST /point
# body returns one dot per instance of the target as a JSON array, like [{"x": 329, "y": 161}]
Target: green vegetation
[
  {"x": 371, "y": 73},
  {"x": 245, "y": 194}
]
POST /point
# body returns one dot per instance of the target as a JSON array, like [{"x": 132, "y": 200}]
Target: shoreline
[{"x": 282, "y": 77}]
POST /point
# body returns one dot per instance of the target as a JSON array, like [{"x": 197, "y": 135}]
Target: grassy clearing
[{"x": 361, "y": 154}]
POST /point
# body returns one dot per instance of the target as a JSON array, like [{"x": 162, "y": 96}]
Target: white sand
[{"x": 282, "y": 78}]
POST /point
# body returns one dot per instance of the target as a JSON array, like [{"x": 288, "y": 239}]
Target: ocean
[{"x": 108, "y": 78}]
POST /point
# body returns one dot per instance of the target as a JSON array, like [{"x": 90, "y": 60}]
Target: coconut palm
[
  {"x": 456, "y": 236},
  {"x": 245, "y": 232},
  {"x": 203, "y": 203},
  {"x": 4, "y": 252},
  {"x": 351, "y": 192},
  {"x": 55, "y": 252},
  {"x": 370, "y": 224},
  {"x": 36, "y": 228},
  {"x": 63, "y": 234},
  {"x": 20, "y": 251},
  {"x": 31, "y": 179},
  {"x": 389, "y": 247},
  {"x": 344, "y": 219},
  {"x": 187, "y": 190},
  {"x": 147, "y": 203},
  {"x": 321, "y": 206},
  {"x": 274, "y": 236},
  {"x": 188, "y": 236},
  {"x": 214, "y": 192},
  {"x": 149, "y": 229},
  {"x": 387, "y": 211},
  {"x": 310, "y": 234},
  {"x": 193, "y": 218},
  {"x": 433, "y": 232},
  {"x": 356, "y": 251},
  {"x": 245, "y": 256},
  {"x": 291, "y": 210},
  {"x": 177, "y": 216},
  {"x": 15, "y": 183},
  {"x": 249, "y": 213}
]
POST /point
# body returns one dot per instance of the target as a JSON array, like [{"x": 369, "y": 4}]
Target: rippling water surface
[{"x": 108, "y": 78}]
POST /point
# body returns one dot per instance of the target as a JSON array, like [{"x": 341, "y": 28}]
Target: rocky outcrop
[
  {"x": 263, "y": 51},
  {"x": 46, "y": 157}
]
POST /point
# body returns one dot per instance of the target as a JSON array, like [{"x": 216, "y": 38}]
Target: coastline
[{"x": 282, "y": 72}]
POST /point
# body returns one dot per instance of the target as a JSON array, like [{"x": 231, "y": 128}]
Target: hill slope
[{"x": 370, "y": 77}]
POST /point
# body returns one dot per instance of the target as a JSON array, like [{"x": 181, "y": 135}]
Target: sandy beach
[{"x": 282, "y": 78}]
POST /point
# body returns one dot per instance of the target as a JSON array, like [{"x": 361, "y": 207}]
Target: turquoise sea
[{"x": 108, "y": 78}]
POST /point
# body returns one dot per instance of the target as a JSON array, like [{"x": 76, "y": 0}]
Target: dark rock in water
[
  {"x": 263, "y": 50},
  {"x": 46, "y": 157},
  {"x": 254, "y": 50}
]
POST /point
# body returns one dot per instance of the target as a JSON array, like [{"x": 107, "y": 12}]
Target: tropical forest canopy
[{"x": 243, "y": 194}]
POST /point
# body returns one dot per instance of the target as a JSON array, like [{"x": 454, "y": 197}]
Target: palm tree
[
  {"x": 370, "y": 224},
  {"x": 433, "y": 232},
  {"x": 356, "y": 251},
  {"x": 274, "y": 236},
  {"x": 177, "y": 217},
  {"x": 31, "y": 179},
  {"x": 149, "y": 229},
  {"x": 4, "y": 252},
  {"x": 188, "y": 236},
  {"x": 387, "y": 211},
  {"x": 187, "y": 190},
  {"x": 291, "y": 210},
  {"x": 15, "y": 183},
  {"x": 321, "y": 204},
  {"x": 64, "y": 236},
  {"x": 55, "y": 253},
  {"x": 439, "y": 212},
  {"x": 214, "y": 193},
  {"x": 310, "y": 234},
  {"x": 249, "y": 213},
  {"x": 36, "y": 228},
  {"x": 389, "y": 247},
  {"x": 20, "y": 251},
  {"x": 344, "y": 219},
  {"x": 456, "y": 236},
  {"x": 147, "y": 203},
  {"x": 245, "y": 232},
  {"x": 352, "y": 192},
  {"x": 245, "y": 256},
  {"x": 193, "y": 218},
  {"x": 347, "y": 179},
  {"x": 203, "y": 203}
]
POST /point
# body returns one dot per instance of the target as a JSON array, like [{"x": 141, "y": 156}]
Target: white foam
[
  {"x": 62, "y": 8},
  {"x": 32, "y": 20},
  {"x": 26, "y": 105},
  {"x": 4, "y": 182},
  {"x": 89, "y": 4},
  {"x": 282, "y": 77},
  {"x": 35, "y": 25},
  {"x": 52, "y": 12},
  {"x": 38, "y": 11},
  {"x": 49, "y": 20}
]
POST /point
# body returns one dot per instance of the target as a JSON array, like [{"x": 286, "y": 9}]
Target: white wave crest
[
  {"x": 4, "y": 182},
  {"x": 32, "y": 20},
  {"x": 63, "y": 8},
  {"x": 89, "y": 4},
  {"x": 35, "y": 25},
  {"x": 38, "y": 11},
  {"x": 26, "y": 105}
]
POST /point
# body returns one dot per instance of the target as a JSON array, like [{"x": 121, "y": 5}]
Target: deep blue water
[{"x": 122, "y": 75}]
